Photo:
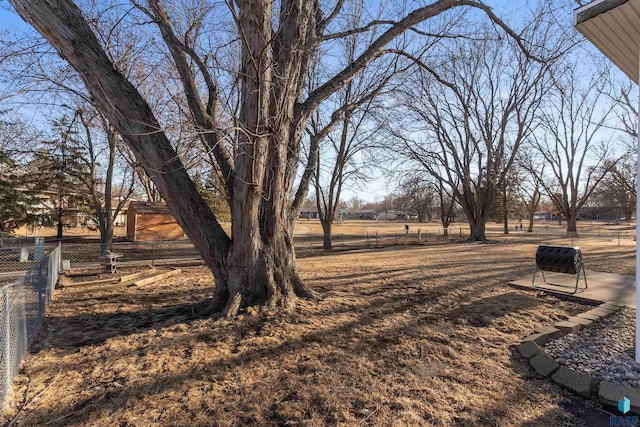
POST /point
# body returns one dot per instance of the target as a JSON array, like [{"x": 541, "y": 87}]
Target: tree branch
[{"x": 204, "y": 117}]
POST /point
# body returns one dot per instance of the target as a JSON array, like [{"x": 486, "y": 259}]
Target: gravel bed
[{"x": 604, "y": 351}]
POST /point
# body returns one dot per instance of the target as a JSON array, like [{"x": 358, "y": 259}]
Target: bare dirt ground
[{"x": 401, "y": 336}]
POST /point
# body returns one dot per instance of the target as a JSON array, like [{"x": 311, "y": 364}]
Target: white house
[{"x": 613, "y": 26}]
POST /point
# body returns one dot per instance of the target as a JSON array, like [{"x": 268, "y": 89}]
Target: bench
[
  {"x": 559, "y": 259},
  {"x": 110, "y": 261}
]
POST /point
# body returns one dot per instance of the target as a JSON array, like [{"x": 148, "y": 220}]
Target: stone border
[{"x": 582, "y": 384}]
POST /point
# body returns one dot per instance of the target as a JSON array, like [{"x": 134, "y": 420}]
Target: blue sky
[
  {"x": 510, "y": 10},
  {"x": 10, "y": 20}
]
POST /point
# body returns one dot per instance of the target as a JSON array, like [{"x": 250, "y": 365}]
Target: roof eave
[{"x": 613, "y": 26}]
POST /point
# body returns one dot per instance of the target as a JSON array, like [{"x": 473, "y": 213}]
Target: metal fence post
[
  {"x": 618, "y": 238},
  {"x": 38, "y": 249},
  {"x": 153, "y": 253},
  {"x": 419, "y": 236},
  {"x": 41, "y": 306},
  {"x": 49, "y": 279}
]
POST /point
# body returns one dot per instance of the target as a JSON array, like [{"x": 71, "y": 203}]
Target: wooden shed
[{"x": 152, "y": 221}]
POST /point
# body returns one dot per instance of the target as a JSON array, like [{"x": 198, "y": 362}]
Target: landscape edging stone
[{"x": 578, "y": 382}]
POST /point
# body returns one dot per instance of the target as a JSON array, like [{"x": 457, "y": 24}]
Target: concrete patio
[{"x": 601, "y": 286}]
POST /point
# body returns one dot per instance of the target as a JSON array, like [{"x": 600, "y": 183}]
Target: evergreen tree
[
  {"x": 15, "y": 203},
  {"x": 57, "y": 170},
  {"x": 212, "y": 195}
]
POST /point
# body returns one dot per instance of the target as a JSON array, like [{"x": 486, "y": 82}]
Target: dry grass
[
  {"x": 304, "y": 226},
  {"x": 541, "y": 228},
  {"x": 402, "y": 336}
]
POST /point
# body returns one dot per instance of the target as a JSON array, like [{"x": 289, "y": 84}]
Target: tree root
[
  {"x": 233, "y": 305},
  {"x": 304, "y": 291}
]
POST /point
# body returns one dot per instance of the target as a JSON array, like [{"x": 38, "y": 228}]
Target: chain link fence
[
  {"x": 22, "y": 307},
  {"x": 80, "y": 256},
  {"x": 8, "y": 240},
  {"x": 87, "y": 256},
  {"x": 23, "y": 253}
]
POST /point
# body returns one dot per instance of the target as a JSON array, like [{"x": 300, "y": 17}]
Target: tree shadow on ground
[
  {"x": 88, "y": 329},
  {"x": 483, "y": 311},
  {"x": 434, "y": 316},
  {"x": 369, "y": 344}
]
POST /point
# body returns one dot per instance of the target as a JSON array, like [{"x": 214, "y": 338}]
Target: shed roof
[{"x": 148, "y": 207}]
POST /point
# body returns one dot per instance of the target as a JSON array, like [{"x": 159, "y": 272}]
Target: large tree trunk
[
  {"x": 473, "y": 207},
  {"x": 326, "y": 234},
  {"x": 530, "y": 227},
  {"x": 505, "y": 209},
  {"x": 478, "y": 227},
  {"x": 60, "y": 223},
  {"x": 263, "y": 271},
  {"x": 572, "y": 226},
  {"x": 107, "y": 238}
]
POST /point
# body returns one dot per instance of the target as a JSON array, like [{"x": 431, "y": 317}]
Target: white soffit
[{"x": 613, "y": 26}]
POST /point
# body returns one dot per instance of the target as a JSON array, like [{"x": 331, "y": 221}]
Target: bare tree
[
  {"x": 99, "y": 181},
  {"x": 617, "y": 190},
  {"x": 416, "y": 193},
  {"x": 529, "y": 185},
  {"x": 507, "y": 201},
  {"x": 571, "y": 143},
  {"x": 447, "y": 204},
  {"x": 474, "y": 108},
  {"x": 627, "y": 99},
  {"x": 257, "y": 265},
  {"x": 342, "y": 156}
]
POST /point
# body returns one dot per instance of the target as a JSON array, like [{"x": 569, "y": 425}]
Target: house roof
[
  {"x": 613, "y": 26},
  {"x": 148, "y": 207},
  {"x": 359, "y": 211}
]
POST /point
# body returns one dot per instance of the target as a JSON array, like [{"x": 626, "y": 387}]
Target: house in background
[
  {"x": 600, "y": 213},
  {"x": 394, "y": 215},
  {"x": 308, "y": 213},
  {"x": 358, "y": 214},
  {"x": 152, "y": 221},
  {"x": 342, "y": 214},
  {"x": 543, "y": 215}
]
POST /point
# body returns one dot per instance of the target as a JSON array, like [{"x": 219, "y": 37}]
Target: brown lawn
[
  {"x": 542, "y": 229},
  {"x": 401, "y": 336}
]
